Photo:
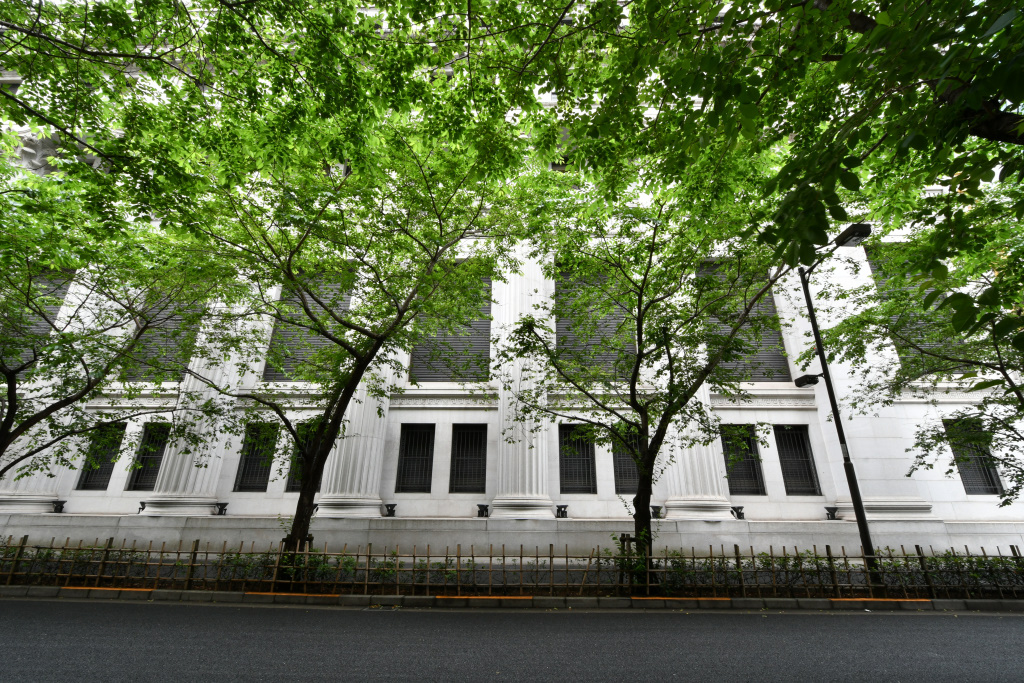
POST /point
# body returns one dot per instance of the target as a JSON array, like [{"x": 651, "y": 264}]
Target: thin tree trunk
[
  {"x": 642, "y": 517},
  {"x": 299, "y": 532}
]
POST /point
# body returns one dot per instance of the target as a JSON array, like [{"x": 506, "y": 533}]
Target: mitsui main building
[{"x": 431, "y": 466}]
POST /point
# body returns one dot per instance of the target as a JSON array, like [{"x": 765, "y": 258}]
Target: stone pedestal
[{"x": 35, "y": 493}]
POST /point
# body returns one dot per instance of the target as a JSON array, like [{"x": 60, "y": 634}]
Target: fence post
[
  {"x": 103, "y": 561},
  {"x": 739, "y": 570},
  {"x": 551, "y": 568},
  {"x": 832, "y": 572},
  {"x": 927, "y": 574},
  {"x": 17, "y": 557},
  {"x": 190, "y": 570}
]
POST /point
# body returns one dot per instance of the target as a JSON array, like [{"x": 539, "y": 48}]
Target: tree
[
  {"x": 355, "y": 267},
  {"x": 958, "y": 337},
  {"x": 649, "y": 308},
  {"x": 873, "y": 99},
  {"x": 236, "y": 123},
  {"x": 82, "y": 320}
]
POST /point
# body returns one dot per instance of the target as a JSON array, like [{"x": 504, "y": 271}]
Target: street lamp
[{"x": 852, "y": 236}]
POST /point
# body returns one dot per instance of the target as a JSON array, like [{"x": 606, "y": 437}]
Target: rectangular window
[
  {"x": 627, "y": 476},
  {"x": 151, "y": 453},
  {"x": 294, "y": 484},
  {"x": 101, "y": 456},
  {"x": 973, "y": 458},
  {"x": 911, "y": 329},
  {"x": 768, "y": 363},
  {"x": 798, "y": 473},
  {"x": 605, "y": 343},
  {"x": 164, "y": 350},
  {"x": 28, "y": 331},
  {"x": 469, "y": 459},
  {"x": 257, "y": 457},
  {"x": 292, "y": 343},
  {"x": 576, "y": 468},
  {"x": 415, "y": 459},
  {"x": 742, "y": 465},
  {"x": 456, "y": 357}
]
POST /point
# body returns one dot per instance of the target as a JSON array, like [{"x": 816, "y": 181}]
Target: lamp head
[
  {"x": 805, "y": 381},
  {"x": 853, "y": 235}
]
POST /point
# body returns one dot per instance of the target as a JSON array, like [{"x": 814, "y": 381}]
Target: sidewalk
[{"x": 516, "y": 602}]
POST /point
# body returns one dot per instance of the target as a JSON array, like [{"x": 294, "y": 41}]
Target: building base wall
[{"x": 483, "y": 536}]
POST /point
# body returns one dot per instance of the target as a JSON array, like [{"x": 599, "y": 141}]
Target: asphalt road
[{"x": 100, "y": 641}]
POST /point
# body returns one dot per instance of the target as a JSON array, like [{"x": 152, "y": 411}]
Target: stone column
[
  {"x": 351, "y": 483},
  {"x": 522, "y": 491},
  {"x": 183, "y": 485},
  {"x": 696, "y": 480},
  {"x": 34, "y": 493},
  {"x": 38, "y": 491}
]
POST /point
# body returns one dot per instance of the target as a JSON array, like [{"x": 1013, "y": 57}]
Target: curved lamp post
[{"x": 852, "y": 236}]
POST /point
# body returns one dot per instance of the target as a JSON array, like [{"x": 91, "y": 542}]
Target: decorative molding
[
  {"x": 485, "y": 402},
  {"x": 943, "y": 396},
  {"x": 894, "y": 508},
  {"x": 765, "y": 401}
]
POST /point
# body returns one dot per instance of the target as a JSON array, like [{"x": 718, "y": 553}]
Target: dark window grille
[
  {"x": 163, "y": 351},
  {"x": 768, "y": 363},
  {"x": 741, "y": 460},
  {"x": 415, "y": 458},
  {"x": 797, "y": 462},
  {"x": 304, "y": 430},
  {"x": 885, "y": 263},
  {"x": 101, "y": 456},
  {"x": 627, "y": 475},
  {"x": 605, "y": 348},
  {"x": 464, "y": 357},
  {"x": 292, "y": 344},
  {"x": 469, "y": 459},
  {"x": 151, "y": 453},
  {"x": 973, "y": 458},
  {"x": 257, "y": 457},
  {"x": 576, "y": 467},
  {"x": 27, "y": 331}
]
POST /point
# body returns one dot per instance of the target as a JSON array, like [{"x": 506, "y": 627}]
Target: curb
[{"x": 507, "y": 601}]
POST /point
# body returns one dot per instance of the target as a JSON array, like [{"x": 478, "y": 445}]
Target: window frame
[
  {"x": 751, "y": 458},
  {"x": 587, "y": 457},
  {"x": 793, "y": 487},
  {"x": 141, "y": 464},
  {"x": 404, "y": 472}
]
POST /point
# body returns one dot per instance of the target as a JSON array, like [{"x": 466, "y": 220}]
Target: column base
[
  {"x": 894, "y": 507},
  {"x": 179, "y": 506},
  {"x": 337, "y": 507},
  {"x": 26, "y": 502},
  {"x": 522, "y": 508},
  {"x": 698, "y": 508}
]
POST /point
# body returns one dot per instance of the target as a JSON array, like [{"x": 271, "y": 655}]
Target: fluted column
[
  {"x": 522, "y": 490},
  {"x": 351, "y": 483},
  {"x": 37, "y": 491},
  {"x": 34, "y": 493},
  {"x": 696, "y": 480},
  {"x": 183, "y": 486}
]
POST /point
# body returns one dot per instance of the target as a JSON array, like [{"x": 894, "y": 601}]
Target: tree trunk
[
  {"x": 642, "y": 529},
  {"x": 299, "y": 532},
  {"x": 311, "y": 469}
]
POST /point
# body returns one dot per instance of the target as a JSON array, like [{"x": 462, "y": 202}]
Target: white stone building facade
[{"x": 522, "y": 482}]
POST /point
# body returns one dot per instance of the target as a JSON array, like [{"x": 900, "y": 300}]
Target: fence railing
[{"x": 502, "y": 571}]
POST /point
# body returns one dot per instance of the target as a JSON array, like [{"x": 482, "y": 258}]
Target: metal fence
[{"x": 468, "y": 571}]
